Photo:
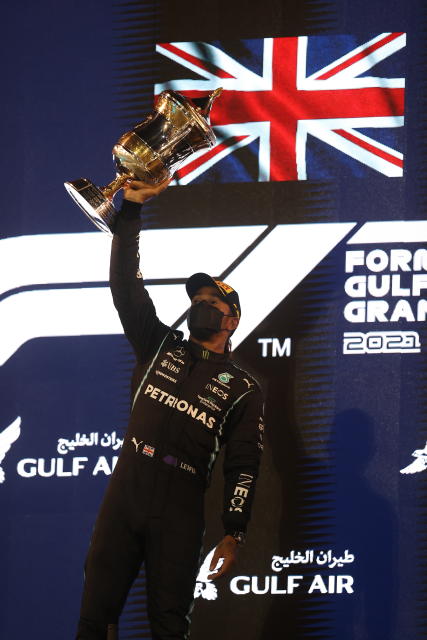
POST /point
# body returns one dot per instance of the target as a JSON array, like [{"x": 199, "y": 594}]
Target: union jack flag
[
  {"x": 148, "y": 450},
  {"x": 283, "y": 95}
]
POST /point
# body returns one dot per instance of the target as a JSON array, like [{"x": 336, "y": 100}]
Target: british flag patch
[{"x": 148, "y": 451}]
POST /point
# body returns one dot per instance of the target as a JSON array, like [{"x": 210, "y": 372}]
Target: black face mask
[{"x": 204, "y": 320}]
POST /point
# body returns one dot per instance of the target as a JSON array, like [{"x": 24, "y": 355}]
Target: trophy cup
[{"x": 151, "y": 152}]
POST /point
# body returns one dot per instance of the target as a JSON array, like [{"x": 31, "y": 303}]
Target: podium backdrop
[{"x": 312, "y": 205}]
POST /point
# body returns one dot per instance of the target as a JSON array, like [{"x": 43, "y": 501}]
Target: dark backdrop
[{"x": 344, "y": 412}]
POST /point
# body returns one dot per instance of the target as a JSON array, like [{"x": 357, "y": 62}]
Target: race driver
[{"x": 188, "y": 399}]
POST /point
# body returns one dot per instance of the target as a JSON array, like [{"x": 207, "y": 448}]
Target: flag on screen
[{"x": 303, "y": 107}]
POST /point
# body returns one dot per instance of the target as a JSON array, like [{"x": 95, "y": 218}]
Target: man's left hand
[
  {"x": 138, "y": 191},
  {"x": 226, "y": 549}
]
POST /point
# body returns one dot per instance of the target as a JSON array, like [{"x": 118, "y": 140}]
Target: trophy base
[{"x": 92, "y": 201}]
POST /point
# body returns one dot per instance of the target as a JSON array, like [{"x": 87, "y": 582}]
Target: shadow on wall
[
  {"x": 366, "y": 524},
  {"x": 360, "y": 520}
]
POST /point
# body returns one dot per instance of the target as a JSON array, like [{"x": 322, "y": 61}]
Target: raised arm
[{"x": 132, "y": 301}]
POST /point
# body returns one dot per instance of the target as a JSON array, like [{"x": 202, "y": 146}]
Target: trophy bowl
[{"x": 152, "y": 151}]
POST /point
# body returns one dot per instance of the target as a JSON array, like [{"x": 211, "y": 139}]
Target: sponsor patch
[
  {"x": 170, "y": 365},
  {"x": 225, "y": 377},
  {"x": 136, "y": 443},
  {"x": 225, "y": 287},
  {"x": 219, "y": 392},
  {"x": 165, "y": 375},
  {"x": 176, "y": 355},
  {"x": 179, "y": 404},
  {"x": 241, "y": 491},
  {"x": 209, "y": 402},
  {"x": 187, "y": 467}
]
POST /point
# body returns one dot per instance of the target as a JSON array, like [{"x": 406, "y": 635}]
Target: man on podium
[{"x": 188, "y": 399}]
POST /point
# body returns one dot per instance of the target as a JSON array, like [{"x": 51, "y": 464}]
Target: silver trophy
[{"x": 151, "y": 152}]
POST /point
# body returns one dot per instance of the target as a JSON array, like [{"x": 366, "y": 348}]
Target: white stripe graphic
[
  {"x": 263, "y": 279},
  {"x": 89, "y": 311},
  {"x": 391, "y": 231},
  {"x": 50, "y": 258},
  {"x": 277, "y": 265},
  {"x": 84, "y": 257},
  {"x": 73, "y": 312}
]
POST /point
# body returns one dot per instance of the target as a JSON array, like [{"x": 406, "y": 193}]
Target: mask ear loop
[{"x": 229, "y": 345}]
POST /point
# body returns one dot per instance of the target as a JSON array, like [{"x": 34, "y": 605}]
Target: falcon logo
[
  {"x": 7, "y": 437},
  {"x": 204, "y": 587},
  {"x": 419, "y": 464}
]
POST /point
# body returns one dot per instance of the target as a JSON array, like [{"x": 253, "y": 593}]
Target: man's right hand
[{"x": 137, "y": 191}]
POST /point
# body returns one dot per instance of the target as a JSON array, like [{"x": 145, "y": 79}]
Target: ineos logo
[
  {"x": 219, "y": 392},
  {"x": 241, "y": 491}
]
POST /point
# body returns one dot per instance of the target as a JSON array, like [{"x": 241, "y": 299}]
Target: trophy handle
[
  {"x": 205, "y": 104},
  {"x": 115, "y": 185}
]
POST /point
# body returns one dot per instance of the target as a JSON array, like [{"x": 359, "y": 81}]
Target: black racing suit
[{"x": 186, "y": 402}]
